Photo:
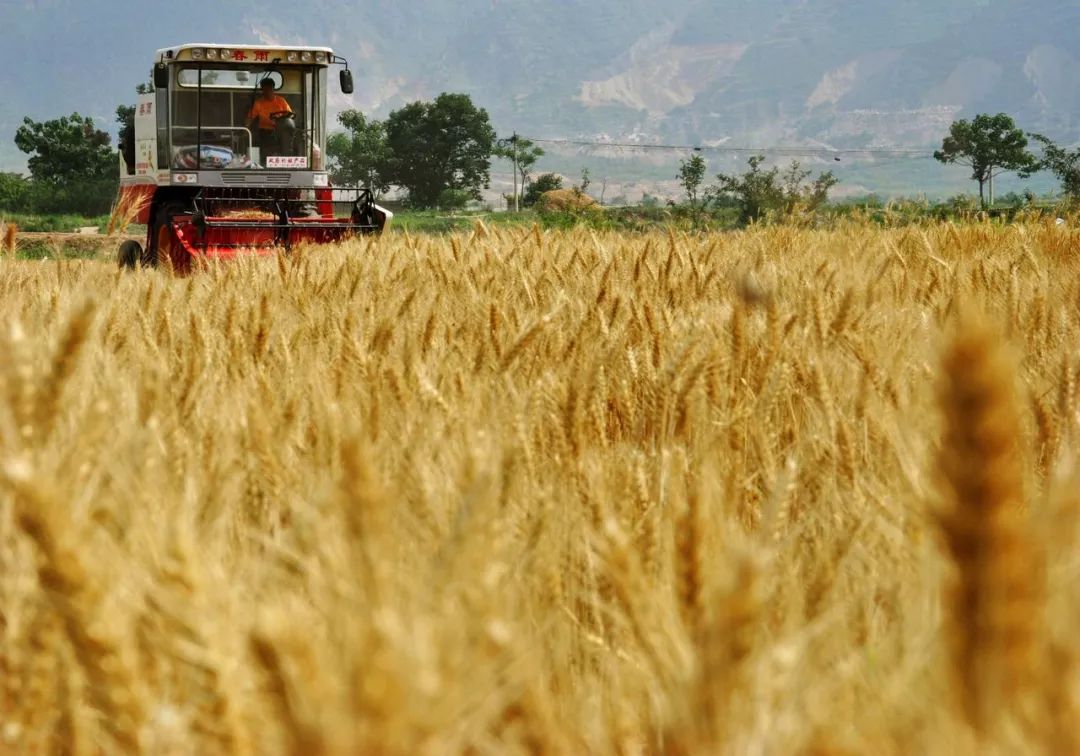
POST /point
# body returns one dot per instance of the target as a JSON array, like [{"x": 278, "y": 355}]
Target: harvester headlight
[
  {"x": 320, "y": 180},
  {"x": 185, "y": 178},
  {"x": 226, "y": 53},
  {"x": 292, "y": 57},
  {"x": 211, "y": 54},
  {"x": 197, "y": 53},
  {"x": 306, "y": 56},
  {"x": 320, "y": 57}
]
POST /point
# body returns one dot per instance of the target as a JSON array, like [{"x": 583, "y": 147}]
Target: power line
[{"x": 909, "y": 153}]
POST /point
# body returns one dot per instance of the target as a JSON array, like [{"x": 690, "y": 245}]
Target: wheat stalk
[{"x": 995, "y": 597}]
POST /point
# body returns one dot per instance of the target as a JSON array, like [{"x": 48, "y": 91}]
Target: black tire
[
  {"x": 162, "y": 217},
  {"x": 129, "y": 255}
]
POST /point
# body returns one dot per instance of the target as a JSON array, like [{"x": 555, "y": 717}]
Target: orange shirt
[{"x": 263, "y": 108}]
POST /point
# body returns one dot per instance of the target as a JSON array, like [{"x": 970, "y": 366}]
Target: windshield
[{"x": 235, "y": 118}]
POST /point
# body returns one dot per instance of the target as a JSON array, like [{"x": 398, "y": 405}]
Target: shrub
[
  {"x": 454, "y": 199},
  {"x": 545, "y": 182},
  {"x": 14, "y": 192},
  {"x": 761, "y": 194}
]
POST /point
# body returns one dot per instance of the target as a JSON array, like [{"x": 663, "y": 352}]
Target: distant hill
[{"x": 837, "y": 73}]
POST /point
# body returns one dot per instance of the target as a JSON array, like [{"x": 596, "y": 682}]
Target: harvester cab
[{"x": 227, "y": 155}]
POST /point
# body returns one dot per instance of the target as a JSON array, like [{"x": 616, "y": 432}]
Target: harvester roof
[{"x": 245, "y": 53}]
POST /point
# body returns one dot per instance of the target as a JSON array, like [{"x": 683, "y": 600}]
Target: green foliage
[
  {"x": 1064, "y": 164},
  {"x": 21, "y": 195},
  {"x": 691, "y": 177},
  {"x": 989, "y": 145},
  {"x": 545, "y": 182},
  {"x": 14, "y": 192},
  {"x": 453, "y": 199},
  {"x": 361, "y": 155},
  {"x": 1016, "y": 199},
  {"x": 524, "y": 150},
  {"x": 78, "y": 197},
  {"x": 125, "y": 116},
  {"x": 434, "y": 146},
  {"x": 585, "y": 180},
  {"x": 66, "y": 150},
  {"x": 55, "y": 223},
  {"x": 761, "y": 194},
  {"x": 72, "y": 166},
  {"x": 961, "y": 204}
]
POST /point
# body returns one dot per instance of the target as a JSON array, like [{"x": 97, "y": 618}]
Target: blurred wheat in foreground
[{"x": 780, "y": 491}]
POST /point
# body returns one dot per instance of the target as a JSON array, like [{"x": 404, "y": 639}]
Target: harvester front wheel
[
  {"x": 161, "y": 237},
  {"x": 129, "y": 254},
  {"x": 164, "y": 242}
]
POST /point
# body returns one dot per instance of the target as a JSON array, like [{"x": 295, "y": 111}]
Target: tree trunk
[{"x": 982, "y": 194}]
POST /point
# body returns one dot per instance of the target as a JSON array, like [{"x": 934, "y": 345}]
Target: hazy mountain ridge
[{"x": 757, "y": 72}]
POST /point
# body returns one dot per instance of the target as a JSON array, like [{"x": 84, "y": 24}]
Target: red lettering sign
[
  {"x": 239, "y": 55},
  {"x": 262, "y": 56}
]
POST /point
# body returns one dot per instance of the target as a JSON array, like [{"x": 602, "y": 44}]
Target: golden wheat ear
[
  {"x": 10, "y": 232},
  {"x": 70, "y": 593},
  {"x": 994, "y": 601},
  {"x": 125, "y": 211}
]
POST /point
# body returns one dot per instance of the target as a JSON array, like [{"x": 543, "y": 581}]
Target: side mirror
[
  {"x": 346, "y": 82},
  {"x": 161, "y": 76}
]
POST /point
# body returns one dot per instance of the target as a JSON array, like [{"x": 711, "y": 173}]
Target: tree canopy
[
  {"x": 66, "y": 150},
  {"x": 759, "y": 193},
  {"x": 545, "y": 182},
  {"x": 1063, "y": 163},
  {"x": 990, "y": 145},
  {"x": 440, "y": 145},
  {"x": 691, "y": 176},
  {"x": 360, "y": 155},
  {"x": 524, "y": 150}
]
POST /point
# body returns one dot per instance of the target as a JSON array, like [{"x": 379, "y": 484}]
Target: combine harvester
[{"x": 211, "y": 182}]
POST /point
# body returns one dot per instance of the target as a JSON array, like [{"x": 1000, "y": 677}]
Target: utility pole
[{"x": 514, "y": 141}]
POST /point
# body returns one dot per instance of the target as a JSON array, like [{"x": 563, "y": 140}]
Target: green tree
[
  {"x": 526, "y": 152},
  {"x": 360, "y": 155},
  {"x": 586, "y": 179},
  {"x": 125, "y": 116},
  {"x": 434, "y": 146},
  {"x": 14, "y": 192},
  {"x": 990, "y": 145},
  {"x": 759, "y": 193},
  {"x": 545, "y": 182},
  {"x": 66, "y": 150},
  {"x": 691, "y": 176},
  {"x": 1063, "y": 163}
]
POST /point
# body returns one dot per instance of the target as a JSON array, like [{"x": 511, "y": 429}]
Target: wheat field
[{"x": 523, "y": 492}]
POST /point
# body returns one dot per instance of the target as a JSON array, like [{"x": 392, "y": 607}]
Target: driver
[{"x": 268, "y": 103}]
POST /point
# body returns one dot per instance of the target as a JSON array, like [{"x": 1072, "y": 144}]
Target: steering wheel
[{"x": 279, "y": 114}]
